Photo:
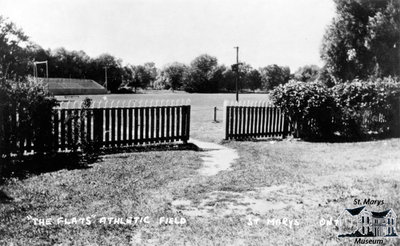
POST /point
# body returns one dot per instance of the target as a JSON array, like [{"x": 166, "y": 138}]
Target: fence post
[
  {"x": 226, "y": 119},
  {"x": 187, "y": 122},
  {"x": 98, "y": 127},
  {"x": 215, "y": 114},
  {"x": 285, "y": 126}
]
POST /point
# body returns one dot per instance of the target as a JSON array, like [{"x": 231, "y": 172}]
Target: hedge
[{"x": 351, "y": 110}]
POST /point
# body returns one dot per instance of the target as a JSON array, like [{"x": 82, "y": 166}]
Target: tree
[
  {"x": 363, "y": 39},
  {"x": 14, "y": 46},
  {"x": 254, "y": 80},
  {"x": 68, "y": 64},
  {"x": 143, "y": 75},
  {"x": 174, "y": 75},
  {"x": 115, "y": 71},
  {"x": 227, "y": 82},
  {"x": 307, "y": 73},
  {"x": 203, "y": 75},
  {"x": 152, "y": 71},
  {"x": 274, "y": 75}
]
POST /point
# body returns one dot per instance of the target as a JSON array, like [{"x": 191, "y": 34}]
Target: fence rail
[
  {"x": 102, "y": 127},
  {"x": 254, "y": 120}
]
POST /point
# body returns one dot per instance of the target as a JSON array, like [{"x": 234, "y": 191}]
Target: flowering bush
[
  {"x": 349, "y": 110},
  {"x": 308, "y": 106},
  {"x": 367, "y": 106}
]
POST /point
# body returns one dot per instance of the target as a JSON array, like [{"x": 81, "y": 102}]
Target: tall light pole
[{"x": 105, "y": 74}]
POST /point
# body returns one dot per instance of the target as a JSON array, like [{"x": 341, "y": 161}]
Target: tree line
[
  {"x": 203, "y": 74},
  {"x": 362, "y": 41}
]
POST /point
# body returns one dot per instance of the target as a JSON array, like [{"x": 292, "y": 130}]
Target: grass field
[{"x": 294, "y": 182}]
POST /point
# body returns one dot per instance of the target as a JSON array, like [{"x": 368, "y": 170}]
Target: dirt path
[{"x": 216, "y": 157}]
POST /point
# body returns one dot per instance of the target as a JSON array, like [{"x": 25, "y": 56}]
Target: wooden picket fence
[
  {"x": 105, "y": 125},
  {"x": 254, "y": 120}
]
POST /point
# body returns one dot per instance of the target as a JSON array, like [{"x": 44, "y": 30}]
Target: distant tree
[
  {"x": 174, "y": 75},
  {"x": 143, "y": 75},
  {"x": 307, "y": 73},
  {"x": 14, "y": 44},
  {"x": 67, "y": 64},
  {"x": 274, "y": 75},
  {"x": 254, "y": 80},
  {"x": 152, "y": 71},
  {"x": 227, "y": 82},
  {"x": 203, "y": 75},
  {"x": 363, "y": 39},
  {"x": 115, "y": 71},
  {"x": 127, "y": 77}
]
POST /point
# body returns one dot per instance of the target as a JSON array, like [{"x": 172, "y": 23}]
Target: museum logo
[{"x": 362, "y": 223}]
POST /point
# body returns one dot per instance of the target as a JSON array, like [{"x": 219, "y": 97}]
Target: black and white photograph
[{"x": 199, "y": 122}]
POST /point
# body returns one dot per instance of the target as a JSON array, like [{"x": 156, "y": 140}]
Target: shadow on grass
[
  {"x": 334, "y": 139},
  {"x": 26, "y": 166}
]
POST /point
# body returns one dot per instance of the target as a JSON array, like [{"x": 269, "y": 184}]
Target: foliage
[
  {"x": 363, "y": 40},
  {"x": 253, "y": 80},
  {"x": 174, "y": 75},
  {"x": 203, "y": 75},
  {"x": 274, "y": 75},
  {"x": 13, "y": 53},
  {"x": 34, "y": 105},
  {"x": 352, "y": 110},
  {"x": 307, "y": 73},
  {"x": 367, "y": 106},
  {"x": 309, "y": 105},
  {"x": 228, "y": 80}
]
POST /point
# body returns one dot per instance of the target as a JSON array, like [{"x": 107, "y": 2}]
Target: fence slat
[
  {"x": 167, "y": 129},
  {"x": 124, "y": 127},
  {"x": 141, "y": 128},
  {"x": 147, "y": 129},
  {"x": 162, "y": 138},
  {"x": 107, "y": 113},
  {"x": 119, "y": 126},
  {"x": 136, "y": 126},
  {"x": 173, "y": 123},
  {"x": 152, "y": 124},
  {"x": 235, "y": 133},
  {"x": 178, "y": 123},
  {"x": 130, "y": 126}
]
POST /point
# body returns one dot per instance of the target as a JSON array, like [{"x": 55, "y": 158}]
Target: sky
[{"x": 283, "y": 32}]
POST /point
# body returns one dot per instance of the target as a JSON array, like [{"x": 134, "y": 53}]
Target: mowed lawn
[{"x": 297, "y": 183}]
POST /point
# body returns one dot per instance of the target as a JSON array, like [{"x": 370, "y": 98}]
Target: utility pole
[
  {"x": 237, "y": 72},
  {"x": 105, "y": 73}
]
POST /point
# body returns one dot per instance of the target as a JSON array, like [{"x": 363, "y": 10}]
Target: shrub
[
  {"x": 34, "y": 105},
  {"x": 367, "y": 107},
  {"x": 352, "y": 110},
  {"x": 308, "y": 106}
]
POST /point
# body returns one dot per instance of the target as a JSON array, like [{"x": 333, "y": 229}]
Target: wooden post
[
  {"x": 226, "y": 119},
  {"x": 98, "y": 127},
  {"x": 183, "y": 129},
  {"x": 185, "y": 123},
  {"x": 215, "y": 114},
  {"x": 136, "y": 125}
]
